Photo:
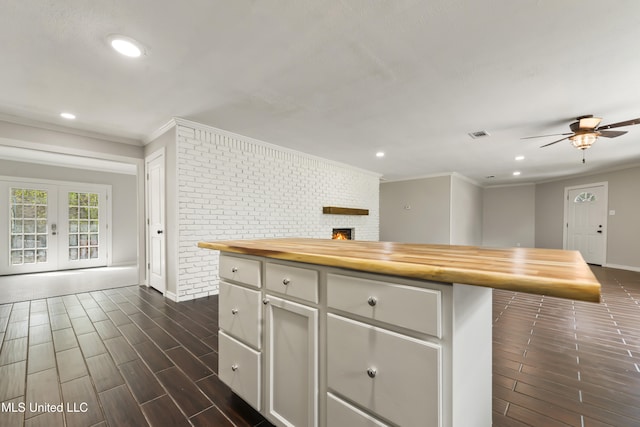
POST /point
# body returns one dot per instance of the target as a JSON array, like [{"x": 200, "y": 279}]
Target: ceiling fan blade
[
  {"x": 620, "y": 124},
  {"x": 611, "y": 133},
  {"x": 544, "y": 136},
  {"x": 555, "y": 142}
]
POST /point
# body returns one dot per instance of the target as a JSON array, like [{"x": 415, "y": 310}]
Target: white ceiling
[{"x": 341, "y": 79}]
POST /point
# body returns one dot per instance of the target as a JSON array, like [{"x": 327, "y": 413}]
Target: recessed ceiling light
[
  {"x": 380, "y": 154},
  {"x": 519, "y": 158},
  {"x": 126, "y": 46},
  {"x": 516, "y": 173},
  {"x": 68, "y": 116}
]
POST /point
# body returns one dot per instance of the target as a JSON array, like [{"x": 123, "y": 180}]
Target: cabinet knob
[
  {"x": 234, "y": 269},
  {"x": 372, "y": 372},
  {"x": 234, "y": 367},
  {"x": 234, "y": 311},
  {"x": 265, "y": 301},
  {"x": 286, "y": 281},
  {"x": 372, "y": 301}
]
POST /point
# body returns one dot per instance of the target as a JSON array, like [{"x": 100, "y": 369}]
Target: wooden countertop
[{"x": 551, "y": 272}]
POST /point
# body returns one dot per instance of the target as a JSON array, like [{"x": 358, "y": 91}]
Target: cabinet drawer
[
  {"x": 340, "y": 413},
  {"x": 241, "y": 270},
  {"x": 392, "y": 375},
  {"x": 292, "y": 281},
  {"x": 239, "y": 313},
  {"x": 239, "y": 368},
  {"x": 406, "y": 306}
]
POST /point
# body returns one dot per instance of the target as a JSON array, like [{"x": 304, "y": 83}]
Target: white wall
[
  {"x": 60, "y": 141},
  {"x": 416, "y": 211},
  {"x": 443, "y": 209},
  {"x": 232, "y": 187},
  {"x": 466, "y": 212},
  {"x": 623, "y": 234},
  {"x": 508, "y": 218}
]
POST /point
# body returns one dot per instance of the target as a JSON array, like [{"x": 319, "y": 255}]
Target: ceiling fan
[{"x": 586, "y": 130}]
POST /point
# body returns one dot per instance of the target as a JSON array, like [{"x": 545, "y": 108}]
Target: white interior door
[
  {"x": 156, "y": 255},
  {"x": 586, "y": 213}
]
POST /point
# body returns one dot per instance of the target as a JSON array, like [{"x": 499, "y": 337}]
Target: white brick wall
[{"x": 230, "y": 187}]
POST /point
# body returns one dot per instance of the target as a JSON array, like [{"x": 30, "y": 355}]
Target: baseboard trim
[
  {"x": 188, "y": 297},
  {"x": 622, "y": 267}
]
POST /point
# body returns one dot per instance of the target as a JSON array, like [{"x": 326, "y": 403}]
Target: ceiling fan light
[{"x": 583, "y": 141}]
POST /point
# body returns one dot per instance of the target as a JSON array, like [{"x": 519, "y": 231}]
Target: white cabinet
[
  {"x": 340, "y": 413},
  {"x": 240, "y": 322},
  {"x": 291, "y": 350},
  {"x": 293, "y": 282},
  {"x": 317, "y": 346},
  {"x": 404, "y": 306},
  {"x": 394, "y": 376},
  {"x": 239, "y": 313},
  {"x": 239, "y": 368}
]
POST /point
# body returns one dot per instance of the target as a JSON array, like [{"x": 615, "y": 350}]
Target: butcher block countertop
[{"x": 551, "y": 272}]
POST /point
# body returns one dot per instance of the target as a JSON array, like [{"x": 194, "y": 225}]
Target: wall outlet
[{"x": 612, "y": 212}]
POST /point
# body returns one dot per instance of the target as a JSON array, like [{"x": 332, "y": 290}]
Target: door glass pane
[
  {"x": 83, "y": 218},
  {"x": 28, "y": 229},
  {"x": 585, "y": 197}
]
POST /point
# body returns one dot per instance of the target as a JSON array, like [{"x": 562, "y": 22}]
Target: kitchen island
[{"x": 330, "y": 333}]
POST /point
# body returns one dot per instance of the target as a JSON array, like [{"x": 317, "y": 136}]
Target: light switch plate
[{"x": 612, "y": 212}]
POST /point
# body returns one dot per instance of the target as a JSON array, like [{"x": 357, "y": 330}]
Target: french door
[{"x": 48, "y": 226}]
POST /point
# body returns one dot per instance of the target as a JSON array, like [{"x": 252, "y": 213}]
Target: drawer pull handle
[
  {"x": 372, "y": 372},
  {"x": 265, "y": 301},
  {"x": 234, "y": 269},
  {"x": 286, "y": 281},
  {"x": 372, "y": 301},
  {"x": 234, "y": 368},
  {"x": 234, "y": 311}
]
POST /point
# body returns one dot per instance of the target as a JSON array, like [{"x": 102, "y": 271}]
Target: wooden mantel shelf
[
  {"x": 551, "y": 272},
  {"x": 344, "y": 211}
]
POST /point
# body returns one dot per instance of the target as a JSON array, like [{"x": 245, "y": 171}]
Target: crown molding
[
  {"x": 207, "y": 128},
  {"x": 160, "y": 131},
  {"x": 591, "y": 173},
  {"x": 66, "y": 129}
]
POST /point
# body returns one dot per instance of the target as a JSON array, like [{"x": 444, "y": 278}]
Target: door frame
[
  {"x": 565, "y": 234},
  {"x": 159, "y": 153},
  {"x": 108, "y": 211}
]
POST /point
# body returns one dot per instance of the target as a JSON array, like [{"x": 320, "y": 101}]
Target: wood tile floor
[
  {"x": 558, "y": 362},
  {"x": 128, "y": 357}
]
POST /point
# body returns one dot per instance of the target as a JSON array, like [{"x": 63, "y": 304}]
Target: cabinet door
[
  {"x": 394, "y": 376},
  {"x": 239, "y": 313},
  {"x": 239, "y": 368},
  {"x": 340, "y": 413},
  {"x": 291, "y": 344}
]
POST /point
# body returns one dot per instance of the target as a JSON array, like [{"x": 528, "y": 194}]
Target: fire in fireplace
[{"x": 342, "y": 234}]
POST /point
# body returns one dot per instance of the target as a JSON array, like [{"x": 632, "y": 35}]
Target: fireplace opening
[{"x": 342, "y": 234}]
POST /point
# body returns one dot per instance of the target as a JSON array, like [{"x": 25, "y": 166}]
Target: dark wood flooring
[
  {"x": 129, "y": 357},
  {"x": 558, "y": 362}
]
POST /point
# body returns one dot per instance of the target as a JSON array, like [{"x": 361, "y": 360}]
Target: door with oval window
[
  {"x": 586, "y": 225},
  {"x": 50, "y": 226}
]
